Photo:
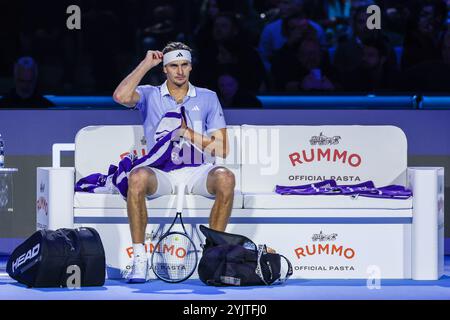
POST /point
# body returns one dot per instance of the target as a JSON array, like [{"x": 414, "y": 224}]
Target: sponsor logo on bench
[
  {"x": 324, "y": 237},
  {"x": 318, "y": 249},
  {"x": 178, "y": 252},
  {"x": 329, "y": 155},
  {"x": 321, "y": 140},
  {"x": 329, "y": 249},
  {"x": 325, "y": 154},
  {"x": 314, "y": 178}
]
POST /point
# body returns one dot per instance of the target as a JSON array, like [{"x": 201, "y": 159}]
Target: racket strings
[{"x": 174, "y": 257}]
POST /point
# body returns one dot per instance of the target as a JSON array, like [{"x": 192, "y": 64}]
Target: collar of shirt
[{"x": 165, "y": 90}]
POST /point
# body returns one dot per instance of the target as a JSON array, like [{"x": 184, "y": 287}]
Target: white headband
[{"x": 176, "y": 55}]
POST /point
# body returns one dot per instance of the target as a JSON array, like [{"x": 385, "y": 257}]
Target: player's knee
[
  {"x": 224, "y": 180},
  {"x": 140, "y": 181}
]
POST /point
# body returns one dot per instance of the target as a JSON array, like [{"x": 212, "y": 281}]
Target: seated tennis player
[{"x": 204, "y": 114}]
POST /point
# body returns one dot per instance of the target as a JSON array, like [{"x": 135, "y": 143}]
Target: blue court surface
[{"x": 196, "y": 290}]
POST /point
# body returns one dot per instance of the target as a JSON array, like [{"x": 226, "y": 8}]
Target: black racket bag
[
  {"x": 46, "y": 257},
  {"x": 232, "y": 259}
]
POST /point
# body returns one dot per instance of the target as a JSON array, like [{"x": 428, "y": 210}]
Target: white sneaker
[{"x": 139, "y": 271}]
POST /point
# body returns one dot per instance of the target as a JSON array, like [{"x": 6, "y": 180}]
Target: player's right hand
[{"x": 153, "y": 58}]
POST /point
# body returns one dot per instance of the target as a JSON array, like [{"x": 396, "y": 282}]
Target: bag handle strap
[
  {"x": 68, "y": 241},
  {"x": 261, "y": 250},
  {"x": 66, "y": 238},
  {"x": 289, "y": 272}
]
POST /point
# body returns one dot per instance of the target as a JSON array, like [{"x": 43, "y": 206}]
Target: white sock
[{"x": 139, "y": 251}]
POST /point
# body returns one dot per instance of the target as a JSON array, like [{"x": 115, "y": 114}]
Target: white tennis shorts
[{"x": 194, "y": 178}]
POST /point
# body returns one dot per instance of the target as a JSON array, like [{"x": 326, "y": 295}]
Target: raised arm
[{"x": 125, "y": 94}]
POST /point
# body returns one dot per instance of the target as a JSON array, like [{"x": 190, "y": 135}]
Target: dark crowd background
[{"x": 242, "y": 48}]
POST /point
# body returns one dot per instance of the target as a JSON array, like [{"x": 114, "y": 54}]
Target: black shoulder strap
[
  {"x": 289, "y": 271},
  {"x": 261, "y": 250}
]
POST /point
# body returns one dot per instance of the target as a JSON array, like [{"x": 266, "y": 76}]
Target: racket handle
[{"x": 180, "y": 197}]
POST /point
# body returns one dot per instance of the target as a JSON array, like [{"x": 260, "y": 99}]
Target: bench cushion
[
  {"x": 90, "y": 200},
  {"x": 278, "y": 201}
]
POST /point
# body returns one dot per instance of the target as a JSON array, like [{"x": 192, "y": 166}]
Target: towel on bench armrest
[
  {"x": 330, "y": 187},
  {"x": 166, "y": 155}
]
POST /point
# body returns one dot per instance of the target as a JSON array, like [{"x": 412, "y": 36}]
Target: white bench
[{"x": 323, "y": 236}]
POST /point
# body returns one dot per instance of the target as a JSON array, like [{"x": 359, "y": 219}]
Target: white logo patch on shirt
[{"x": 195, "y": 108}]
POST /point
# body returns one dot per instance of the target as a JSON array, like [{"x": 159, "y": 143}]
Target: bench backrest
[
  {"x": 96, "y": 147},
  {"x": 295, "y": 155},
  {"x": 263, "y": 156}
]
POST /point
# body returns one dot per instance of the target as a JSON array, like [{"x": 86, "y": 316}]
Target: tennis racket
[{"x": 175, "y": 257}]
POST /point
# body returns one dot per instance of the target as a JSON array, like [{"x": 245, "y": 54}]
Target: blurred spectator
[
  {"x": 328, "y": 12},
  {"x": 241, "y": 9},
  {"x": 394, "y": 19},
  {"x": 446, "y": 48},
  {"x": 430, "y": 76},
  {"x": 100, "y": 27},
  {"x": 229, "y": 51},
  {"x": 349, "y": 51},
  {"x": 45, "y": 37},
  {"x": 334, "y": 16},
  {"x": 24, "y": 94},
  {"x": 268, "y": 10},
  {"x": 232, "y": 95},
  {"x": 224, "y": 34},
  {"x": 9, "y": 34},
  {"x": 374, "y": 74},
  {"x": 162, "y": 29},
  {"x": 41, "y": 31},
  {"x": 248, "y": 17},
  {"x": 273, "y": 36},
  {"x": 302, "y": 66},
  {"x": 425, "y": 30},
  {"x": 202, "y": 33}
]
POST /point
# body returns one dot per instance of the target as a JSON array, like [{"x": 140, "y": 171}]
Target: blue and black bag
[
  {"x": 232, "y": 259},
  {"x": 46, "y": 258}
]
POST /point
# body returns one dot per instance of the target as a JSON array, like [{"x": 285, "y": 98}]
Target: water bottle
[
  {"x": 3, "y": 183},
  {"x": 2, "y": 152}
]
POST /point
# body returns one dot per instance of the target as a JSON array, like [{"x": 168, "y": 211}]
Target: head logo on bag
[{"x": 26, "y": 256}]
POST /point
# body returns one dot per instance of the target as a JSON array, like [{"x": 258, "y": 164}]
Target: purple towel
[
  {"x": 166, "y": 155},
  {"x": 330, "y": 187}
]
